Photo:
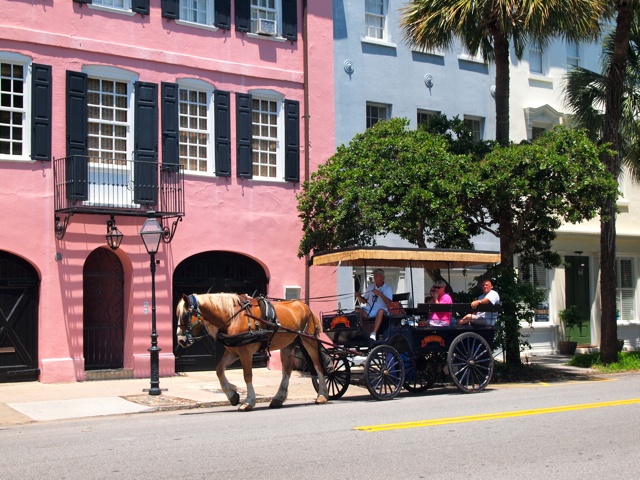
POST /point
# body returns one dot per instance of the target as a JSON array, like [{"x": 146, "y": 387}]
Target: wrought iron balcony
[{"x": 113, "y": 186}]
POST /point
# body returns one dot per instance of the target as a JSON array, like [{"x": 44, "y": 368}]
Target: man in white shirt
[
  {"x": 375, "y": 300},
  {"x": 483, "y": 318}
]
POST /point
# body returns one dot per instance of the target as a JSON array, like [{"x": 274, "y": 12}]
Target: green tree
[
  {"x": 492, "y": 26},
  {"x": 619, "y": 93}
]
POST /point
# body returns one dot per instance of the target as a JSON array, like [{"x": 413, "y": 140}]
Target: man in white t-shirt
[
  {"x": 375, "y": 300},
  {"x": 483, "y": 318}
]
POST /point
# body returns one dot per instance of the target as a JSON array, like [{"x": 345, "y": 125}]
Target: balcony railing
[{"x": 117, "y": 187}]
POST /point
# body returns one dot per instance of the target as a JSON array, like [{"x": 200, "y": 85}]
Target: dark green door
[{"x": 576, "y": 275}]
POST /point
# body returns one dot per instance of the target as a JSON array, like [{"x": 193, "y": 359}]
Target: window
[
  {"x": 573, "y": 54},
  {"x": 476, "y": 126},
  {"x": 425, "y": 115},
  {"x": 625, "y": 289},
  {"x": 267, "y": 136},
  {"x": 375, "y": 19},
  {"x": 538, "y": 276},
  {"x": 265, "y": 119},
  {"x": 14, "y": 134},
  {"x": 195, "y": 119},
  {"x": 536, "y": 132},
  {"x": 264, "y": 17},
  {"x": 116, "y": 4},
  {"x": 108, "y": 102},
  {"x": 376, "y": 112},
  {"x": 197, "y": 11},
  {"x": 535, "y": 60}
]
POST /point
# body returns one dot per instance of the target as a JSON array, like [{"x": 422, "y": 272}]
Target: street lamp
[{"x": 151, "y": 234}]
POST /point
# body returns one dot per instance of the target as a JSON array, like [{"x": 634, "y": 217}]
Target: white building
[{"x": 377, "y": 76}]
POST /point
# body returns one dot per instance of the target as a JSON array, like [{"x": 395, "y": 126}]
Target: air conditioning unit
[{"x": 266, "y": 27}]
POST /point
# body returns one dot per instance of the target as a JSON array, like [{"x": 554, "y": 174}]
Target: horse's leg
[
  {"x": 246, "y": 359},
  {"x": 229, "y": 389},
  {"x": 312, "y": 347},
  {"x": 287, "y": 367}
]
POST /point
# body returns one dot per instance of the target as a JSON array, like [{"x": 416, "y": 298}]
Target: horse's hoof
[
  {"x": 275, "y": 403},
  {"x": 235, "y": 399},
  {"x": 245, "y": 407},
  {"x": 321, "y": 399}
]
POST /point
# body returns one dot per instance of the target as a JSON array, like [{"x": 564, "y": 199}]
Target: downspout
[{"x": 305, "y": 56}]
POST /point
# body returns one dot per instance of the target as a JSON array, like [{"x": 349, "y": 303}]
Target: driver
[{"x": 375, "y": 300}]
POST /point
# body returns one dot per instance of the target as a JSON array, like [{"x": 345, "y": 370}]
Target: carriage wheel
[
  {"x": 337, "y": 379},
  {"x": 420, "y": 371},
  {"x": 384, "y": 372},
  {"x": 470, "y": 362}
]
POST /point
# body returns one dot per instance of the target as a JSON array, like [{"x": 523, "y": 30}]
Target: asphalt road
[{"x": 567, "y": 430}]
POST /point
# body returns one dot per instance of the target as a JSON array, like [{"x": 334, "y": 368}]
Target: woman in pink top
[{"x": 440, "y": 319}]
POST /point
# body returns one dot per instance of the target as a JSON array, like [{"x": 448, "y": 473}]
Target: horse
[{"x": 228, "y": 316}]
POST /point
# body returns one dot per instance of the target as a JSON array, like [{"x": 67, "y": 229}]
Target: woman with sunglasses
[{"x": 438, "y": 295}]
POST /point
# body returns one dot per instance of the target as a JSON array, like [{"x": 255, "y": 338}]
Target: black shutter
[
  {"x": 41, "y": 112},
  {"x": 170, "y": 125},
  {"x": 243, "y": 15},
  {"x": 76, "y": 165},
  {"x": 145, "y": 155},
  {"x": 223, "y": 133},
  {"x": 222, "y": 14},
  {"x": 292, "y": 141},
  {"x": 170, "y": 8},
  {"x": 290, "y": 19},
  {"x": 82, "y": 1},
  {"x": 140, "y": 6},
  {"x": 243, "y": 135}
]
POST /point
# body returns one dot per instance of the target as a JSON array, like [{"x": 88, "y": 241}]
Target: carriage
[{"x": 411, "y": 353}]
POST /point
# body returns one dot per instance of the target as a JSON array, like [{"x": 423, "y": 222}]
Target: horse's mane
[{"x": 224, "y": 303}]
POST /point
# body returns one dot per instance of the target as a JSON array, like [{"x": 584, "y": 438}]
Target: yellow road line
[{"x": 493, "y": 416}]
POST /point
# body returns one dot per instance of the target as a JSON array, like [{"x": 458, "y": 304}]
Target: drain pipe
[{"x": 305, "y": 37}]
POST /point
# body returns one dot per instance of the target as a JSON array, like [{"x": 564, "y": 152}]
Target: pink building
[{"x": 209, "y": 113}]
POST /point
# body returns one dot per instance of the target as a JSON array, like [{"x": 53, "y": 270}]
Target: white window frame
[
  {"x": 207, "y": 24},
  {"x": 426, "y": 114},
  {"x": 110, "y": 6},
  {"x": 114, "y": 188},
  {"x": 573, "y": 54},
  {"x": 539, "y": 276},
  {"x": 467, "y": 57},
  {"x": 26, "y": 63},
  {"x": 259, "y": 9},
  {"x": 199, "y": 86},
  {"x": 476, "y": 125},
  {"x": 625, "y": 313},
  {"x": 373, "y": 18},
  {"x": 379, "y": 106},
  {"x": 536, "y": 54},
  {"x": 278, "y": 99}
]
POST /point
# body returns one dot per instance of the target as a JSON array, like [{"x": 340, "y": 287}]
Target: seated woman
[{"x": 438, "y": 296}]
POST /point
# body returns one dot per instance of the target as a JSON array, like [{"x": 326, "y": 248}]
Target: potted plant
[{"x": 571, "y": 317}]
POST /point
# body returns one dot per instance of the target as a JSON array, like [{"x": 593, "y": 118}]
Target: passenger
[
  {"x": 483, "y": 318},
  {"x": 438, "y": 296},
  {"x": 375, "y": 301}
]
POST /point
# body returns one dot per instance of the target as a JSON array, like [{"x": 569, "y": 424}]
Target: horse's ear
[{"x": 185, "y": 297}]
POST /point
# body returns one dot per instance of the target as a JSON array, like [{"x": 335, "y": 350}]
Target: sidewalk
[
  {"x": 29, "y": 402},
  {"x": 26, "y": 402}
]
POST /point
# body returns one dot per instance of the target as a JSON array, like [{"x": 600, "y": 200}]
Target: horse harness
[{"x": 255, "y": 333}]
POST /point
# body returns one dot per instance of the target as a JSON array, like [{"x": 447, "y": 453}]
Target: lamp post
[{"x": 151, "y": 234}]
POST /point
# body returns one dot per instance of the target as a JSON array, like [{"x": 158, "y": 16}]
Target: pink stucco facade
[{"x": 251, "y": 217}]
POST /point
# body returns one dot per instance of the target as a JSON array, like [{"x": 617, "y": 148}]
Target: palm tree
[{"x": 489, "y": 27}]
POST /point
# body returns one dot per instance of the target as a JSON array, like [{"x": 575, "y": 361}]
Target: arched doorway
[
  {"x": 213, "y": 272},
  {"x": 19, "y": 297},
  {"x": 103, "y": 301}
]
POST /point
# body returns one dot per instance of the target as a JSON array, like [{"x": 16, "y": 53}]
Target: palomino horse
[{"x": 226, "y": 315}]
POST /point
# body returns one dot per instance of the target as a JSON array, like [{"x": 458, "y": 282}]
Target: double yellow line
[{"x": 494, "y": 416}]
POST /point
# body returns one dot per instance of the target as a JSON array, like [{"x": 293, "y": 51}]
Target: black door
[
  {"x": 19, "y": 296},
  {"x": 577, "y": 292},
  {"x": 213, "y": 272},
  {"x": 103, "y": 300}
]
